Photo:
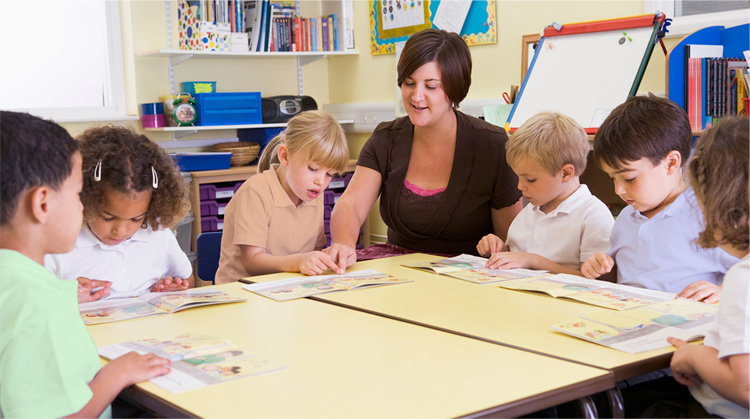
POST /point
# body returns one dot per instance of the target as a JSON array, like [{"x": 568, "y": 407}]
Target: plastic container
[
  {"x": 210, "y": 191},
  {"x": 341, "y": 182},
  {"x": 153, "y": 121},
  {"x": 211, "y": 223},
  {"x": 239, "y": 108},
  {"x": 194, "y": 87},
  {"x": 193, "y": 162},
  {"x": 213, "y": 208}
]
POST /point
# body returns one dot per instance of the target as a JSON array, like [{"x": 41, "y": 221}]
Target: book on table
[
  {"x": 197, "y": 361},
  {"x": 151, "y": 304},
  {"x": 301, "y": 287},
  {"x": 590, "y": 291},
  {"x": 644, "y": 328},
  {"x": 472, "y": 268}
]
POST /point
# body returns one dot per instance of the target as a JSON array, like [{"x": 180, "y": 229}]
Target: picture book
[
  {"x": 645, "y": 328},
  {"x": 472, "y": 268},
  {"x": 151, "y": 304},
  {"x": 197, "y": 361},
  {"x": 591, "y": 291},
  {"x": 301, "y": 287}
]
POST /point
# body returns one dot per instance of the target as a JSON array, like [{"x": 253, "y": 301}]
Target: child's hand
[
  {"x": 133, "y": 368},
  {"x": 341, "y": 254},
  {"x": 315, "y": 263},
  {"x": 703, "y": 291},
  {"x": 169, "y": 283},
  {"x": 682, "y": 370},
  {"x": 489, "y": 245},
  {"x": 511, "y": 260},
  {"x": 597, "y": 265},
  {"x": 91, "y": 289}
]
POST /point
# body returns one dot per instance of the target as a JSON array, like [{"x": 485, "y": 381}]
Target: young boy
[
  {"x": 643, "y": 145},
  {"x": 564, "y": 224},
  {"x": 49, "y": 366}
]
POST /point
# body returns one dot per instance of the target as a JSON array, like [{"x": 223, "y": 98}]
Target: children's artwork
[
  {"x": 393, "y": 21},
  {"x": 643, "y": 329},
  {"x": 472, "y": 268},
  {"x": 591, "y": 291},
  {"x": 151, "y": 304},
  {"x": 197, "y": 361},
  {"x": 301, "y": 287}
]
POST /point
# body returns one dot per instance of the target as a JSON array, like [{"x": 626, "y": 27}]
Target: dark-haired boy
[
  {"x": 643, "y": 145},
  {"x": 49, "y": 366}
]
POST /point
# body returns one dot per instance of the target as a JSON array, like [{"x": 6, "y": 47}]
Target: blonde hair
[
  {"x": 317, "y": 135},
  {"x": 552, "y": 139}
]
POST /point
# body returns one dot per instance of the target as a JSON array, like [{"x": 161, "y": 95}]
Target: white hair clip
[
  {"x": 154, "y": 178},
  {"x": 98, "y": 171}
]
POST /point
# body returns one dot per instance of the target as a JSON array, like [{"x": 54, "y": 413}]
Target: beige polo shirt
[{"x": 262, "y": 214}]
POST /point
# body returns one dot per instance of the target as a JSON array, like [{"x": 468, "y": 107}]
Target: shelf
[
  {"x": 180, "y": 132},
  {"x": 177, "y": 55}
]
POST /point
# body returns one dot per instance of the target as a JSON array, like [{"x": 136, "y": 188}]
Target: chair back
[{"x": 208, "y": 250}]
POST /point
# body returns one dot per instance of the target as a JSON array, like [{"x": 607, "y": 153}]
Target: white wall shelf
[{"x": 184, "y": 131}]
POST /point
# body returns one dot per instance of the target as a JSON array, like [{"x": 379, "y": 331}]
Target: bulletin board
[
  {"x": 585, "y": 70},
  {"x": 403, "y": 18}
]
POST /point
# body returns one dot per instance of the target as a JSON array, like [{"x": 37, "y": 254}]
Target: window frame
[{"x": 685, "y": 25}]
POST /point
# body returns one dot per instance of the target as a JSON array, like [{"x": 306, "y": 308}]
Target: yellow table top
[
  {"x": 485, "y": 311},
  {"x": 345, "y": 363}
]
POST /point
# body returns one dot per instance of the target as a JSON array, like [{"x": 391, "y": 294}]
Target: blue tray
[{"x": 193, "y": 162}]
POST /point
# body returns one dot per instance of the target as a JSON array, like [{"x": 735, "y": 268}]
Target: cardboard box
[
  {"x": 238, "y": 41},
  {"x": 195, "y": 35}
]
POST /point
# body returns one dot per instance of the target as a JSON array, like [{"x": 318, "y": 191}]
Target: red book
[{"x": 297, "y": 35}]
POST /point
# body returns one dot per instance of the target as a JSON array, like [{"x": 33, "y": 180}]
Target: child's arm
[
  {"x": 258, "y": 262},
  {"x": 729, "y": 376},
  {"x": 701, "y": 291},
  {"x": 87, "y": 286},
  {"x": 514, "y": 260},
  {"x": 489, "y": 245},
  {"x": 121, "y": 372},
  {"x": 170, "y": 283},
  {"x": 598, "y": 265}
]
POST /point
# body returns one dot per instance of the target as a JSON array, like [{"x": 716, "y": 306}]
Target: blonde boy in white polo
[{"x": 563, "y": 224}]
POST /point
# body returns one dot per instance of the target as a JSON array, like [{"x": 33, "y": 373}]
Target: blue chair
[{"x": 208, "y": 250}]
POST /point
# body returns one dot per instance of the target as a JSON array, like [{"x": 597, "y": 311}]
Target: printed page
[
  {"x": 179, "y": 300},
  {"x": 621, "y": 297},
  {"x": 556, "y": 285},
  {"x": 456, "y": 263},
  {"x": 488, "y": 276},
  {"x": 179, "y": 347},
  {"x": 643, "y": 329},
  {"x": 105, "y": 311},
  {"x": 367, "y": 278}
]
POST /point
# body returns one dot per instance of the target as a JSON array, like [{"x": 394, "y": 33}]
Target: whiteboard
[{"x": 582, "y": 75}]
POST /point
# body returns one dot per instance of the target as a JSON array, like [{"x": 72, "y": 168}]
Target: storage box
[
  {"x": 210, "y": 191},
  {"x": 194, "y": 87},
  {"x": 340, "y": 182},
  {"x": 211, "y": 207},
  {"x": 239, "y": 42},
  {"x": 193, "y": 162},
  {"x": 237, "y": 108},
  {"x": 197, "y": 35},
  {"x": 211, "y": 223}
]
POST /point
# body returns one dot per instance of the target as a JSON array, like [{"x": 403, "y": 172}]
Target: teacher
[{"x": 441, "y": 175}]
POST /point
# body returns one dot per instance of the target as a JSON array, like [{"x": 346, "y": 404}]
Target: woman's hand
[{"x": 342, "y": 255}]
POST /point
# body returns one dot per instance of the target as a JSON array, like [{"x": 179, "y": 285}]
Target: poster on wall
[{"x": 393, "y": 21}]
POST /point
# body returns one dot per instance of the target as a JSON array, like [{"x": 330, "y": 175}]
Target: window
[
  {"x": 64, "y": 61},
  {"x": 689, "y": 15}
]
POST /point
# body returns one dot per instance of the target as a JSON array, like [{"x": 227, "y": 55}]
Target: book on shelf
[
  {"x": 197, "y": 361},
  {"x": 645, "y": 328},
  {"x": 472, "y": 268},
  {"x": 590, "y": 291},
  {"x": 301, "y": 287},
  {"x": 252, "y": 13},
  {"x": 151, "y": 304}
]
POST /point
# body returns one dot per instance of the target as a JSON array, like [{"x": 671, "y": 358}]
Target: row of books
[
  {"x": 220, "y": 11},
  {"x": 715, "y": 86},
  {"x": 273, "y": 25}
]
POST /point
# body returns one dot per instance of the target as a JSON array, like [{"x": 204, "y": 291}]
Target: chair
[{"x": 208, "y": 249}]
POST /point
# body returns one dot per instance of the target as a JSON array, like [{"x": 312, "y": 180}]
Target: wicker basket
[{"x": 242, "y": 152}]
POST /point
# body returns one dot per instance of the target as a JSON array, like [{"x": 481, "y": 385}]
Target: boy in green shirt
[{"x": 49, "y": 366}]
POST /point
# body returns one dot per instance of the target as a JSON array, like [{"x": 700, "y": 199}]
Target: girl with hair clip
[
  {"x": 274, "y": 223},
  {"x": 132, "y": 195}
]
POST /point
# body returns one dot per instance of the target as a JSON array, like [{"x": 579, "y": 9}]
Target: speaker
[{"x": 283, "y": 108}]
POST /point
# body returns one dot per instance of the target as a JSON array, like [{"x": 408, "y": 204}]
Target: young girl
[
  {"x": 274, "y": 223},
  {"x": 718, "y": 372},
  {"x": 132, "y": 194}
]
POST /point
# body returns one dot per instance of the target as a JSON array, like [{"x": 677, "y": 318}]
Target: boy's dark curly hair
[{"x": 127, "y": 159}]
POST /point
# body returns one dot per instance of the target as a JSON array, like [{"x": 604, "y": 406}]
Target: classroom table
[
  {"x": 345, "y": 363},
  {"x": 484, "y": 311}
]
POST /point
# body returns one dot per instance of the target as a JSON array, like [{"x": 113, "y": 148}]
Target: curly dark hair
[
  {"x": 719, "y": 175},
  {"x": 127, "y": 158}
]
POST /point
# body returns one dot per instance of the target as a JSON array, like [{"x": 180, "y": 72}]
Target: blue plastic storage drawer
[
  {"x": 239, "y": 108},
  {"x": 191, "y": 162}
]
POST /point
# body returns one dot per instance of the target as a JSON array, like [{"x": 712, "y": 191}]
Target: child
[
  {"x": 49, "y": 365},
  {"x": 564, "y": 224},
  {"x": 643, "y": 145},
  {"x": 274, "y": 223},
  {"x": 132, "y": 194},
  {"x": 718, "y": 372}
]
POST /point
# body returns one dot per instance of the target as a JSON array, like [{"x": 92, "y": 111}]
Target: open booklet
[
  {"x": 151, "y": 304},
  {"x": 591, "y": 291},
  {"x": 472, "y": 268},
  {"x": 300, "y": 287},
  {"x": 197, "y": 361},
  {"x": 645, "y": 328}
]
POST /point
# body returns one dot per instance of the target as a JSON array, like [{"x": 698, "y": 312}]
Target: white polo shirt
[
  {"x": 133, "y": 266},
  {"x": 579, "y": 227},
  {"x": 660, "y": 252}
]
